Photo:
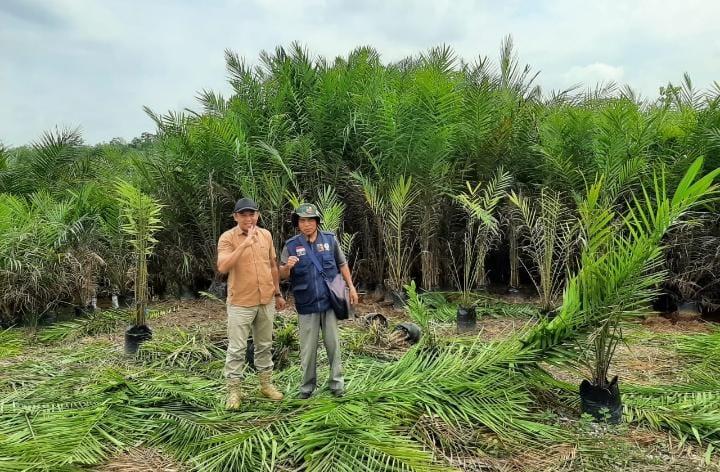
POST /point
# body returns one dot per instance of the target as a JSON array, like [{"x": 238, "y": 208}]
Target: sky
[{"x": 94, "y": 64}]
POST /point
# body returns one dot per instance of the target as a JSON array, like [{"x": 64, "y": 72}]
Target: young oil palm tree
[
  {"x": 480, "y": 203},
  {"x": 141, "y": 221},
  {"x": 394, "y": 220},
  {"x": 332, "y": 211},
  {"x": 431, "y": 123},
  {"x": 36, "y": 267},
  {"x": 513, "y": 223},
  {"x": 620, "y": 266},
  {"x": 548, "y": 228},
  {"x": 375, "y": 202},
  {"x": 397, "y": 234}
]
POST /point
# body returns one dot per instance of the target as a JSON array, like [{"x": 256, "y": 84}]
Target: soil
[
  {"x": 692, "y": 324},
  {"x": 188, "y": 313}
]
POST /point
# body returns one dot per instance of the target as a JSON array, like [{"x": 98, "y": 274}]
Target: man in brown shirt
[{"x": 246, "y": 253}]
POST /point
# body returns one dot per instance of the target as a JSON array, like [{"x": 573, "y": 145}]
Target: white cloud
[
  {"x": 594, "y": 73},
  {"x": 95, "y": 64}
]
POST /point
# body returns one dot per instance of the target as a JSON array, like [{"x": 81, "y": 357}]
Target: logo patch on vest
[
  {"x": 300, "y": 251},
  {"x": 320, "y": 247},
  {"x": 327, "y": 246}
]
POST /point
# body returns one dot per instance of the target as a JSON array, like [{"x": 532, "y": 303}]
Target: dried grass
[{"x": 141, "y": 459}]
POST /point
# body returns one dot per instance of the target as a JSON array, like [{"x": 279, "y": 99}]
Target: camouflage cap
[{"x": 306, "y": 210}]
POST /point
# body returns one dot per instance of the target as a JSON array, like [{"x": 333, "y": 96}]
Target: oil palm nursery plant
[
  {"x": 37, "y": 231},
  {"x": 332, "y": 211},
  {"x": 398, "y": 233},
  {"x": 512, "y": 223},
  {"x": 431, "y": 124},
  {"x": 141, "y": 221},
  {"x": 395, "y": 221},
  {"x": 548, "y": 229},
  {"x": 118, "y": 261},
  {"x": 480, "y": 203},
  {"x": 619, "y": 270}
]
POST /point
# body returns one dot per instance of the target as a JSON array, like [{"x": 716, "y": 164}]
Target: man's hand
[
  {"x": 353, "y": 296},
  {"x": 280, "y": 303},
  {"x": 292, "y": 261},
  {"x": 251, "y": 236},
  {"x": 228, "y": 253}
]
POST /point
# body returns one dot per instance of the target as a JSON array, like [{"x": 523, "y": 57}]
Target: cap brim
[
  {"x": 245, "y": 208},
  {"x": 295, "y": 218}
]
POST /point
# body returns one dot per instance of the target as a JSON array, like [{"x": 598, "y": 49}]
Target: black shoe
[
  {"x": 338, "y": 393},
  {"x": 304, "y": 395}
]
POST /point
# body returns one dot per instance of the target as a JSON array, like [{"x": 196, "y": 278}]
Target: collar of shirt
[
  {"x": 317, "y": 236},
  {"x": 241, "y": 235}
]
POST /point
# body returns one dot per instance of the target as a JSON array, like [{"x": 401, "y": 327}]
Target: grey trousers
[
  {"x": 241, "y": 320},
  {"x": 309, "y": 327}
]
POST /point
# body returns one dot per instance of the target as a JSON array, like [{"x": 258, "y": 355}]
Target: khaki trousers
[
  {"x": 309, "y": 327},
  {"x": 240, "y": 321}
]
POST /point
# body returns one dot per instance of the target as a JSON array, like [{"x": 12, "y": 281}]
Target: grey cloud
[{"x": 32, "y": 12}]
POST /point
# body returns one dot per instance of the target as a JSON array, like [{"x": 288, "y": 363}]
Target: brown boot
[
  {"x": 234, "y": 396},
  {"x": 267, "y": 388}
]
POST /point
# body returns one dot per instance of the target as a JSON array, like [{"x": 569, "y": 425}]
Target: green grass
[{"x": 11, "y": 342}]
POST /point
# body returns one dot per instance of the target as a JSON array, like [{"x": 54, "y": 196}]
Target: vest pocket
[
  {"x": 329, "y": 267},
  {"x": 303, "y": 295}
]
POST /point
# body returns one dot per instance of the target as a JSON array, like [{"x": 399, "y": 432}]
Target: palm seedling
[
  {"x": 549, "y": 228},
  {"x": 464, "y": 271},
  {"x": 513, "y": 230},
  {"x": 407, "y": 123},
  {"x": 392, "y": 214},
  {"x": 431, "y": 123},
  {"x": 397, "y": 235},
  {"x": 375, "y": 227},
  {"x": 332, "y": 211},
  {"x": 482, "y": 231},
  {"x": 621, "y": 264},
  {"x": 421, "y": 315},
  {"x": 480, "y": 203},
  {"x": 34, "y": 271},
  {"x": 141, "y": 215},
  {"x": 86, "y": 254},
  {"x": 119, "y": 261}
]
